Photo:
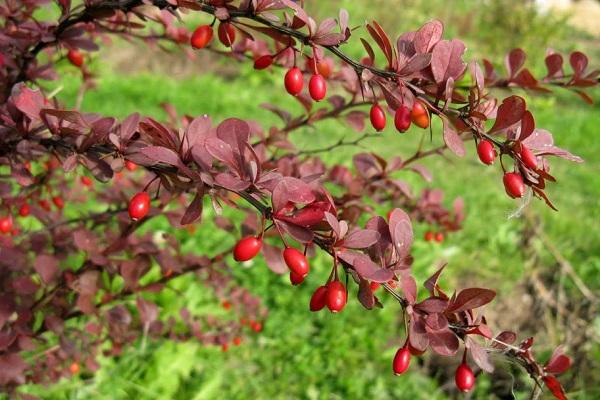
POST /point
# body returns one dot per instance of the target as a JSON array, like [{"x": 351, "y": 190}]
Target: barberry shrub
[{"x": 54, "y": 159}]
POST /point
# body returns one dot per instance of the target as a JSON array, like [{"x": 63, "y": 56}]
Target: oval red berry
[
  {"x": 139, "y": 205},
  {"x": 247, "y": 248}
]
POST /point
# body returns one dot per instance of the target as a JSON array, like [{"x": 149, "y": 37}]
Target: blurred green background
[{"x": 348, "y": 356}]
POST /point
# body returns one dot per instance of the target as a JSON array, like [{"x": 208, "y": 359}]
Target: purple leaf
[
  {"x": 428, "y": 36},
  {"x": 365, "y": 294},
  {"x": 471, "y": 298},
  {"x": 291, "y": 190},
  {"x": 273, "y": 257},
  {"x": 367, "y": 269},
  {"x": 446, "y": 61},
  {"x": 161, "y": 154},
  {"x": 443, "y": 342},
  {"x": 47, "y": 267},
  {"x": 148, "y": 311},
  {"x": 558, "y": 362},
  {"x": 409, "y": 288},
  {"x": 194, "y": 210},
  {"x": 509, "y": 113},
  {"x": 452, "y": 139},
  {"x": 479, "y": 355},
  {"x": 401, "y": 232},
  {"x": 432, "y": 305},
  {"x": 514, "y": 61},
  {"x": 361, "y": 239}
]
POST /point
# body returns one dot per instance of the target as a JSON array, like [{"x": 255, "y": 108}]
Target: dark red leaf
[{"x": 471, "y": 298}]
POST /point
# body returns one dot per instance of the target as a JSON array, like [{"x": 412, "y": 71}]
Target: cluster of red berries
[
  {"x": 203, "y": 35},
  {"x": 463, "y": 377},
  {"x": 513, "y": 181},
  {"x": 403, "y": 117},
  {"x": 430, "y": 236},
  {"x": 333, "y": 295},
  {"x": 294, "y": 82}
]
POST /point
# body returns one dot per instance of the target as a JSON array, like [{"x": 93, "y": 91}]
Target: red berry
[
  {"x": 201, "y": 37},
  {"x": 402, "y": 119},
  {"x": 24, "y": 210},
  {"x": 139, "y": 205},
  {"x": 324, "y": 67},
  {"x": 257, "y": 326},
  {"x": 336, "y": 296},
  {"x": 429, "y": 236},
  {"x": 486, "y": 152},
  {"x": 58, "y": 202},
  {"x": 86, "y": 181},
  {"x": 224, "y": 347},
  {"x": 295, "y": 278},
  {"x": 419, "y": 115},
  {"x": 226, "y": 33},
  {"x": 464, "y": 378},
  {"x": 74, "y": 368},
  {"x": 75, "y": 57},
  {"x": 401, "y": 360},
  {"x": 439, "y": 237},
  {"x": 377, "y": 116},
  {"x": 247, "y": 248},
  {"x": 528, "y": 157},
  {"x": 374, "y": 286},
  {"x": 226, "y": 305},
  {"x": 513, "y": 184},
  {"x": 130, "y": 165},
  {"x": 317, "y": 87},
  {"x": 318, "y": 299},
  {"x": 44, "y": 204},
  {"x": 294, "y": 81},
  {"x": 237, "y": 341},
  {"x": 6, "y": 224},
  {"x": 263, "y": 62},
  {"x": 296, "y": 261}
]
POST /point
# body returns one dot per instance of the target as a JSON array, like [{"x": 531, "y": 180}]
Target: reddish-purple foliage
[{"x": 239, "y": 164}]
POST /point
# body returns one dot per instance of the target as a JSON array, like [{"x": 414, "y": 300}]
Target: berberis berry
[
  {"x": 486, "y": 152},
  {"x": 24, "y": 210},
  {"x": 377, "y": 116},
  {"x": 296, "y": 261},
  {"x": 336, "y": 296},
  {"x": 402, "y": 119},
  {"x": 319, "y": 299},
  {"x": 139, "y": 205},
  {"x": 75, "y": 57},
  {"x": 513, "y": 184},
  {"x": 247, "y": 248},
  {"x": 201, "y": 37},
  {"x": 317, "y": 87},
  {"x": 401, "y": 360},
  {"x": 6, "y": 224},
  {"x": 528, "y": 157},
  {"x": 294, "y": 81},
  {"x": 464, "y": 378},
  {"x": 296, "y": 279},
  {"x": 263, "y": 62},
  {"x": 419, "y": 115},
  {"x": 226, "y": 33}
]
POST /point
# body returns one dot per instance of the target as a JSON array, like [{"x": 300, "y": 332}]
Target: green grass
[{"x": 346, "y": 356}]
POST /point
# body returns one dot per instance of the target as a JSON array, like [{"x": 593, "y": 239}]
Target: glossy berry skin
[
  {"x": 247, "y": 248},
  {"x": 528, "y": 157},
  {"x": 419, "y": 115},
  {"x": 429, "y": 236},
  {"x": 464, "y": 378},
  {"x": 263, "y": 62},
  {"x": 319, "y": 299},
  {"x": 377, "y": 116},
  {"x": 486, "y": 152},
  {"x": 294, "y": 81},
  {"x": 75, "y": 57},
  {"x": 439, "y": 237},
  {"x": 374, "y": 286},
  {"x": 402, "y": 119},
  {"x": 201, "y": 37},
  {"x": 24, "y": 210},
  {"x": 317, "y": 87},
  {"x": 296, "y": 279},
  {"x": 336, "y": 296},
  {"x": 74, "y": 368},
  {"x": 86, "y": 181},
  {"x": 130, "y": 165},
  {"x": 58, "y": 202},
  {"x": 513, "y": 184},
  {"x": 401, "y": 360},
  {"x": 226, "y": 33},
  {"x": 6, "y": 224},
  {"x": 296, "y": 261},
  {"x": 139, "y": 205},
  {"x": 237, "y": 341}
]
